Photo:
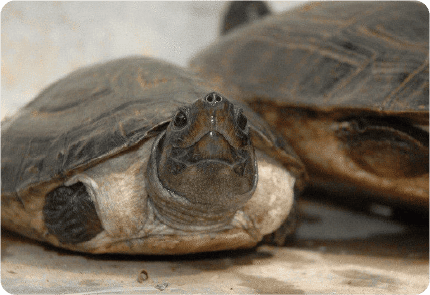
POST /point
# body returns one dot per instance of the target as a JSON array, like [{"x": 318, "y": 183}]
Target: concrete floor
[{"x": 335, "y": 251}]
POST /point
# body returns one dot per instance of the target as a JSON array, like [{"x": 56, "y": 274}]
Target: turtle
[
  {"x": 140, "y": 156},
  {"x": 347, "y": 85}
]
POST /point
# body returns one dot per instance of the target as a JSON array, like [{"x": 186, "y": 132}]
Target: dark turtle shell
[
  {"x": 330, "y": 55},
  {"x": 100, "y": 111},
  {"x": 346, "y": 83}
]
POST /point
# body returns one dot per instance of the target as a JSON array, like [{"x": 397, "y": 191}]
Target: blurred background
[{"x": 44, "y": 41}]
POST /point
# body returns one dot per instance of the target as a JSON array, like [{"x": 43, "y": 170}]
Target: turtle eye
[
  {"x": 241, "y": 121},
  {"x": 180, "y": 119}
]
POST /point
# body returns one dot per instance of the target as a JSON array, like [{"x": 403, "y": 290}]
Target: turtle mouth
[{"x": 213, "y": 148}]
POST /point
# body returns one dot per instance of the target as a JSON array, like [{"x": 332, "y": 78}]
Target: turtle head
[{"x": 203, "y": 168}]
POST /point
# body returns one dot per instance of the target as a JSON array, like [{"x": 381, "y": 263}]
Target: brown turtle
[
  {"x": 140, "y": 156},
  {"x": 346, "y": 83}
]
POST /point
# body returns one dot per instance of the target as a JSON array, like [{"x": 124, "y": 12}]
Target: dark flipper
[
  {"x": 243, "y": 12},
  {"x": 70, "y": 214}
]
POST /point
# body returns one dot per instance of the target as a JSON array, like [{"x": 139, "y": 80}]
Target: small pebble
[
  {"x": 142, "y": 276},
  {"x": 162, "y": 286}
]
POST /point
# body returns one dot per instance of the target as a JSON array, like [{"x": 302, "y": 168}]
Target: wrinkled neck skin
[{"x": 178, "y": 212}]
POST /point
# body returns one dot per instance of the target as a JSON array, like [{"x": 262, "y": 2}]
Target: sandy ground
[{"x": 335, "y": 251}]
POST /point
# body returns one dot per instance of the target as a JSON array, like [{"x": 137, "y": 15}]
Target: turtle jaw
[
  {"x": 213, "y": 183},
  {"x": 210, "y": 172}
]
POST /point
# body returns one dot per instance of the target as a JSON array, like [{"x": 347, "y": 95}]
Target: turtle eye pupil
[
  {"x": 180, "y": 120},
  {"x": 241, "y": 121}
]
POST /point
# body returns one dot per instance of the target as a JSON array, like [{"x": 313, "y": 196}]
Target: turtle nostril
[{"x": 213, "y": 98}]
